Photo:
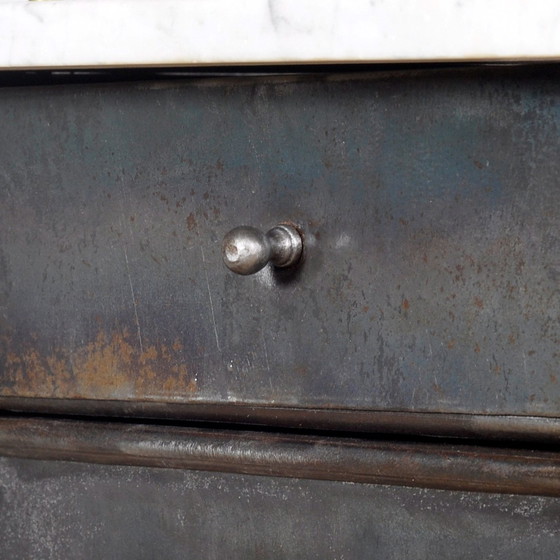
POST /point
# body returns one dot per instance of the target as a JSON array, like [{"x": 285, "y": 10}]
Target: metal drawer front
[{"x": 430, "y": 207}]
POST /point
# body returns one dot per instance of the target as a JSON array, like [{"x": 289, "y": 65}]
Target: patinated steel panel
[
  {"x": 430, "y": 206},
  {"x": 54, "y": 510}
]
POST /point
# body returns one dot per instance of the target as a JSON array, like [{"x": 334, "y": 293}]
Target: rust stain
[
  {"x": 191, "y": 222},
  {"x": 302, "y": 370},
  {"x": 451, "y": 344},
  {"x": 437, "y": 388},
  {"x": 406, "y": 304},
  {"x": 110, "y": 366},
  {"x": 479, "y": 303}
]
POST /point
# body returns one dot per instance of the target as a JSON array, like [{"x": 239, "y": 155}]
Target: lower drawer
[{"x": 429, "y": 203}]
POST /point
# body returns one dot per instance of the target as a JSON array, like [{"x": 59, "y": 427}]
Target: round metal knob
[{"x": 247, "y": 250}]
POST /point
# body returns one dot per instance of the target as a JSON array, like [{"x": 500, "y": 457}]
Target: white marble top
[{"x": 96, "y": 33}]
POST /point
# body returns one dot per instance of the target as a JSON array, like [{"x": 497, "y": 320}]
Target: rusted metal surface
[
  {"x": 425, "y": 465},
  {"x": 54, "y": 510},
  {"x": 430, "y": 206},
  {"x": 108, "y": 365}
]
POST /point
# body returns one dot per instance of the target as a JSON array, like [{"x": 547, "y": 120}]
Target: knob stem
[{"x": 246, "y": 250}]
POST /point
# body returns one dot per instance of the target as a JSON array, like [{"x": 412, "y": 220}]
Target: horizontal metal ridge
[
  {"x": 428, "y": 465},
  {"x": 502, "y": 428}
]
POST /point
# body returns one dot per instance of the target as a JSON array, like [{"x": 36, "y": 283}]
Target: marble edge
[{"x": 116, "y": 33}]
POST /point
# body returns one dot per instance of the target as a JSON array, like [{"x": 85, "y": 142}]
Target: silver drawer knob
[{"x": 247, "y": 250}]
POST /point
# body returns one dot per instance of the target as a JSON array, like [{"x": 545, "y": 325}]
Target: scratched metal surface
[
  {"x": 430, "y": 202},
  {"x": 55, "y": 510}
]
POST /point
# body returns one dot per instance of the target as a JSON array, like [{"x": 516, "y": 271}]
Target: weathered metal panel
[
  {"x": 54, "y": 510},
  {"x": 430, "y": 203}
]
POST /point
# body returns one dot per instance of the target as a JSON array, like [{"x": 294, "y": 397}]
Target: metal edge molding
[
  {"x": 474, "y": 426},
  {"x": 427, "y": 465}
]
